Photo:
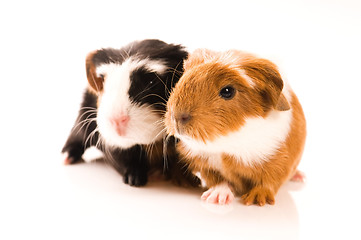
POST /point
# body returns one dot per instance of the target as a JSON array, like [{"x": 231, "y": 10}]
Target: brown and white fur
[{"x": 239, "y": 124}]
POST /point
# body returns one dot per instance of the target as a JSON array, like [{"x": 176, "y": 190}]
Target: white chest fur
[
  {"x": 252, "y": 144},
  {"x": 215, "y": 161}
]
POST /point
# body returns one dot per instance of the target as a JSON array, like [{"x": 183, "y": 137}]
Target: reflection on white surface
[
  {"x": 91, "y": 196},
  {"x": 85, "y": 194}
]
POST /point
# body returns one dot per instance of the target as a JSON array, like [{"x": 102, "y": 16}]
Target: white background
[{"x": 43, "y": 45}]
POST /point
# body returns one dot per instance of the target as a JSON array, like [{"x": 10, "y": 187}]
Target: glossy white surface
[{"x": 43, "y": 47}]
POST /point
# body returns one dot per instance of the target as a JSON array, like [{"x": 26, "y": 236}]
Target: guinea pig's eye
[
  {"x": 227, "y": 92},
  {"x": 101, "y": 76}
]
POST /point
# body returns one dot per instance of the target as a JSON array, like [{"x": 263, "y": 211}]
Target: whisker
[
  {"x": 83, "y": 108},
  {"x": 90, "y": 112},
  {"x": 161, "y": 104},
  {"x": 157, "y": 111},
  {"x": 83, "y": 123},
  {"x": 87, "y": 127},
  {"x": 150, "y": 148},
  {"x": 166, "y": 89},
  {"x": 173, "y": 75},
  {"x": 175, "y": 70},
  {"x": 144, "y": 90},
  {"x": 87, "y": 112},
  {"x": 165, "y": 148},
  {"x": 160, "y": 121},
  {"x": 161, "y": 112},
  {"x": 160, "y": 132},
  {"x": 153, "y": 94},
  {"x": 98, "y": 144},
  {"x": 90, "y": 138}
]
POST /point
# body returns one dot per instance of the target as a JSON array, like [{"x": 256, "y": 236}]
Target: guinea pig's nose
[
  {"x": 120, "y": 124},
  {"x": 120, "y": 120},
  {"x": 184, "y": 118}
]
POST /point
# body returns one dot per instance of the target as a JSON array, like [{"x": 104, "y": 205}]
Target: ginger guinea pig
[
  {"x": 123, "y": 108},
  {"x": 239, "y": 125}
]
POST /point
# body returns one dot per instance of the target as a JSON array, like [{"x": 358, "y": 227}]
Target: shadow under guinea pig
[{"x": 279, "y": 221}]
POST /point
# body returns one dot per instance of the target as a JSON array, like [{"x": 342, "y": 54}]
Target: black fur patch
[
  {"x": 146, "y": 86},
  {"x": 152, "y": 49}
]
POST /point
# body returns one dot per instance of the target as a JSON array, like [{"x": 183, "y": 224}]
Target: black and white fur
[{"x": 123, "y": 107}]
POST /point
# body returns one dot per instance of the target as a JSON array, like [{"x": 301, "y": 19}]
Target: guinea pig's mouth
[
  {"x": 177, "y": 123},
  {"x": 181, "y": 131},
  {"x": 138, "y": 125},
  {"x": 183, "y": 137}
]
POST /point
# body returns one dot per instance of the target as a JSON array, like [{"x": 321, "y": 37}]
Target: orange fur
[{"x": 206, "y": 72}]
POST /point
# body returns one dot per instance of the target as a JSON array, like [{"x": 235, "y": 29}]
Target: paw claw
[
  {"x": 259, "y": 196},
  {"x": 206, "y": 194},
  {"x": 212, "y": 199}
]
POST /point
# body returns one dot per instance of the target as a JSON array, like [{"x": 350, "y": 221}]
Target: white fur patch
[
  {"x": 232, "y": 59},
  {"x": 132, "y": 64},
  {"x": 215, "y": 160},
  {"x": 154, "y": 65},
  {"x": 144, "y": 126},
  {"x": 252, "y": 144},
  {"x": 248, "y": 79}
]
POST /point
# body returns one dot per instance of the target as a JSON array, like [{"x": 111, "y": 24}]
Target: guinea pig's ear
[
  {"x": 269, "y": 83},
  {"x": 282, "y": 103},
  {"x": 199, "y": 56},
  {"x": 95, "y": 82}
]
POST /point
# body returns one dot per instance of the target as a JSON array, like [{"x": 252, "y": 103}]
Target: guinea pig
[
  {"x": 239, "y": 125},
  {"x": 123, "y": 107}
]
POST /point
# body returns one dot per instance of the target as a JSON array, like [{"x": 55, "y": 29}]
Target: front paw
[
  {"x": 219, "y": 194},
  {"x": 259, "y": 196},
  {"x": 72, "y": 153},
  {"x": 135, "y": 177}
]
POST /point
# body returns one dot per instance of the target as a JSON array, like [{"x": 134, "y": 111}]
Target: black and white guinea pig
[{"x": 123, "y": 108}]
